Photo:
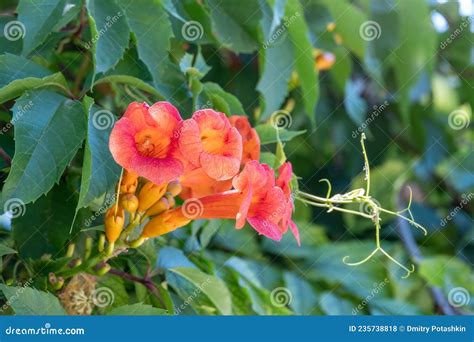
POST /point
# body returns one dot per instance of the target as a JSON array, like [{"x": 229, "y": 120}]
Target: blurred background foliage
[{"x": 400, "y": 71}]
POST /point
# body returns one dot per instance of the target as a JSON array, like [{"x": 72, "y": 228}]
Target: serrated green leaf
[
  {"x": 44, "y": 227},
  {"x": 18, "y": 74},
  {"x": 236, "y": 26},
  {"x": 29, "y": 301},
  {"x": 99, "y": 171},
  {"x": 110, "y": 33},
  {"x": 191, "y": 12},
  {"x": 130, "y": 80},
  {"x": 49, "y": 129},
  {"x": 213, "y": 96},
  {"x": 38, "y": 21},
  {"x": 150, "y": 24}
]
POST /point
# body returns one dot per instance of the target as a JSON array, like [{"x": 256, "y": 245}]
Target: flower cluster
[{"x": 209, "y": 160}]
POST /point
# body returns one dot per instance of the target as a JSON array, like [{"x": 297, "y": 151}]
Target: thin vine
[{"x": 362, "y": 196}]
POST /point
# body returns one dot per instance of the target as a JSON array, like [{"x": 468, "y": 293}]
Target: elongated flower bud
[
  {"x": 149, "y": 195},
  {"x": 129, "y": 202},
  {"x": 114, "y": 224},
  {"x": 159, "y": 207},
  {"x": 129, "y": 182},
  {"x": 165, "y": 223},
  {"x": 174, "y": 188}
]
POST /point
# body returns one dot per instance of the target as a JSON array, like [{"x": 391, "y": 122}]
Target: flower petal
[{"x": 265, "y": 227}]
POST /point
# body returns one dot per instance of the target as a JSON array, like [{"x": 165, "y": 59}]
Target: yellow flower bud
[
  {"x": 129, "y": 182},
  {"x": 165, "y": 223},
  {"x": 158, "y": 207},
  {"x": 149, "y": 194},
  {"x": 114, "y": 224},
  {"x": 129, "y": 202},
  {"x": 174, "y": 188}
]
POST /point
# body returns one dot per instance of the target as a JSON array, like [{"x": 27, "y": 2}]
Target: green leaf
[
  {"x": 110, "y": 33},
  {"x": 150, "y": 24},
  {"x": 191, "y": 12},
  {"x": 170, "y": 257},
  {"x": 277, "y": 60},
  {"x": 38, "y": 22},
  {"x": 235, "y": 25},
  {"x": 213, "y": 96},
  {"x": 212, "y": 287},
  {"x": 435, "y": 270},
  {"x": 268, "y": 134},
  {"x": 130, "y": 80},
  {"x": 99, "y": 172},
  {"x": 354, "y": 103},
  {"x": 114, "y": 284},
  {"x": 18, "y": 74},
  {"x": 44, "y": 227},
  {"x": 137, "y": 309},
  {"x": 304, "y": 300},
  {"x": 29, "y": 301},
  {"x": 304, "y": 62},
  {"x": 5, "y": 250},
  {"x": 349, "y": 19},
  {"x": 6, "y": 44},
  {"x": 49, "y": 129},
  {"x": 334, "y": 305},
  {"x": 415, "y": 52}
]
